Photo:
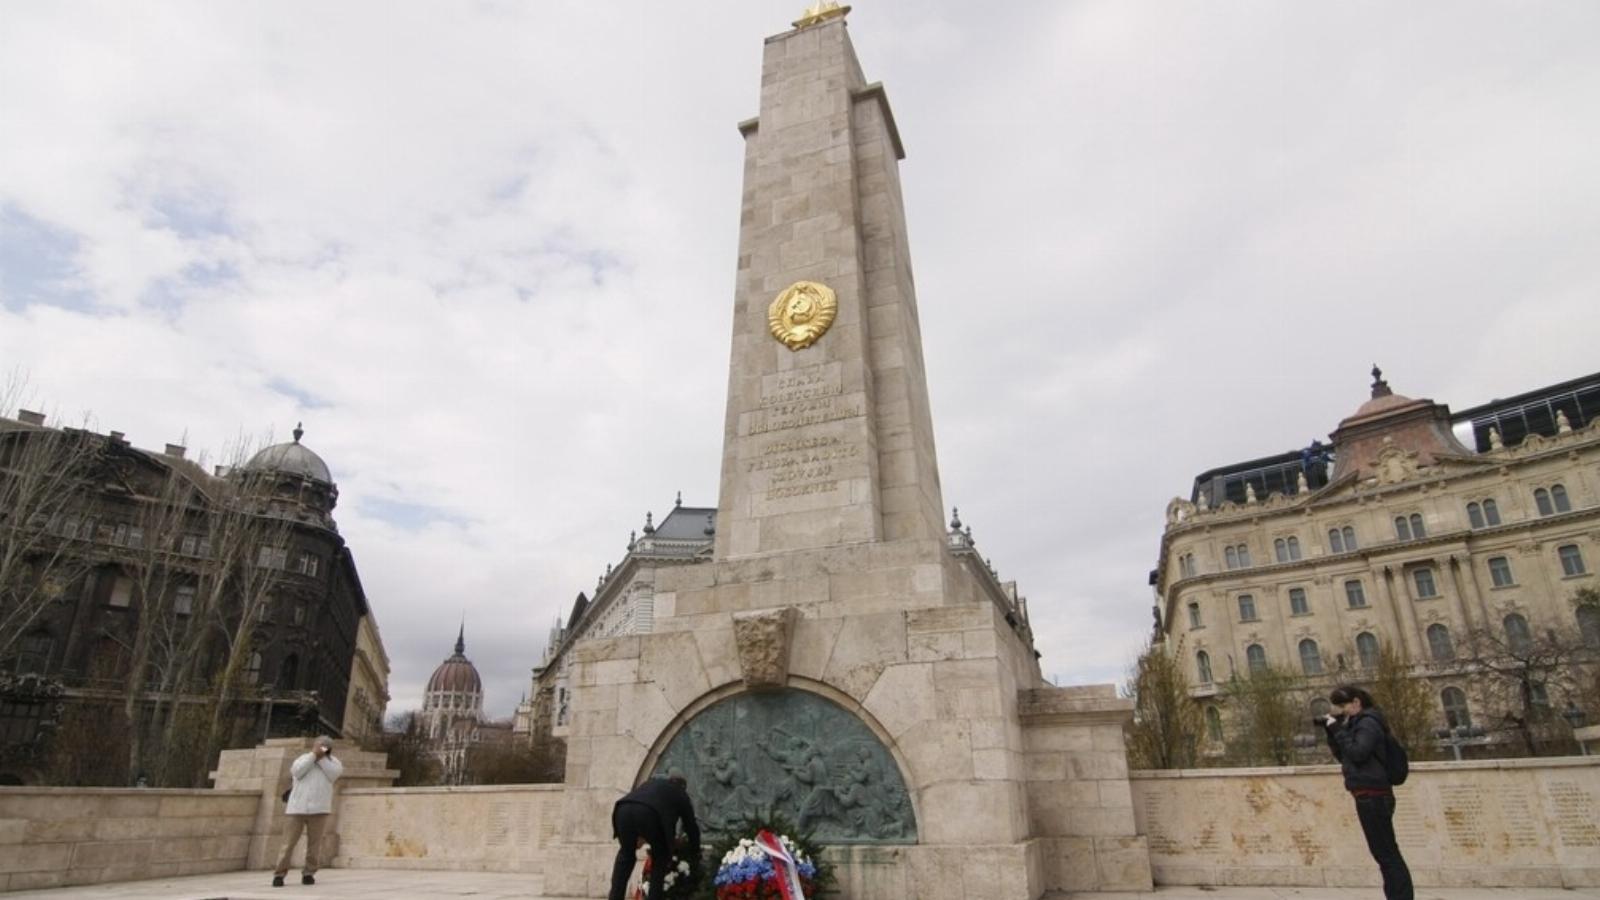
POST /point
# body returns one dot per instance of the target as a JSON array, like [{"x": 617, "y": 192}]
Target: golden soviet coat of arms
[{"x": 802, "y": 313}]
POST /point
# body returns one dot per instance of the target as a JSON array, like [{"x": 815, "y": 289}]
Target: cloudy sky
[{"x": 485, "y": 251}]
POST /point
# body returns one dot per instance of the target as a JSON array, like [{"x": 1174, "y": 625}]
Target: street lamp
[{"x": 1575, "y": 717}]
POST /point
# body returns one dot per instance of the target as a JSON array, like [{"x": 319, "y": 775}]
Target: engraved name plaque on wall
[{"x": 795, "y": 754}]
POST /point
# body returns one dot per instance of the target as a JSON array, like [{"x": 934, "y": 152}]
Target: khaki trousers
[{"x": 312, "y": 825}]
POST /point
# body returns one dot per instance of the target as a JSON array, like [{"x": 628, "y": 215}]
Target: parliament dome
[{"x": 456, "y": 675}]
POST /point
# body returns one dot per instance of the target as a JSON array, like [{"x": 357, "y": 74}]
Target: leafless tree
[
  {"x": 42, "y": 469},
  {"x": 1167, "y": 723},
  {"x": 406, "y": 743},
  {"x": 1523, "y": 675},
  {"x": 1406, "y": 701},
  {"x": 1268, "y": 714}
]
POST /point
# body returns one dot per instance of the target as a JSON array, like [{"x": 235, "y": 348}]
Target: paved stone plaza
[{"x": 368, "y": 884}]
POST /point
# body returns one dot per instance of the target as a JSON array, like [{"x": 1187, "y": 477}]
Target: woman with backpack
[{"x": 1360, "y": 739}]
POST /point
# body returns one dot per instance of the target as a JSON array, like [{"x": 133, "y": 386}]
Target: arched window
[
  {"x": 1297, "y": 602},
  {"x": 1256, "y": 656},
  {"x": 1558, "y": 494},
  {"x": 1474, "y": 515},
  {"x": 1541, "y": 499},
  {"x": 1367, "y": 650},
  {"x": 1354, "y": 594},
  {"x": 1335, "y": 541},
  {"x": 1213, "y": 725},
  {"x": 1247, "y": 608},
  {"x": 1231, "y": 557},
  {"x": 1456, "y": 714},
  {"x": 1310, "y": 657},
  {"x": 1402, "y": 529},
  {"x": 1589, "y": 625},
  {"x": 1518, "y": 637},
  {"x": 288, "y": 672},
  {"x": 1202, "y": 664},
  {"x": 1439, "y": 643},
  {"x": 252, "y": 673},
  {"x": 1244, "y": 555},
  {"x": 1280, "y": 548},
  {"x": 1491, "y": 512},
  {"x": 1417, "y": 531},
  {"x": 1349, "y": 539},
  {"x": 1294, "y": 548}
]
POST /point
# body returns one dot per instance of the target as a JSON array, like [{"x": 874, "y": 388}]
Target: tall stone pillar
[{"x": 828, "y": 436}]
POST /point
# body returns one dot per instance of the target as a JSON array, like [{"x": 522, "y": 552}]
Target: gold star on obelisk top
[{"x": 817, "y": 13}]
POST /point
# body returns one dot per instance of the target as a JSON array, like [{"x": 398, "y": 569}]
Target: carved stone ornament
[
  {"x": 762, "y": 638},
  {"x": 1395, "y": 465},
  {"x": 802, "y": 313},
  {"x": 795, "y": 754}
]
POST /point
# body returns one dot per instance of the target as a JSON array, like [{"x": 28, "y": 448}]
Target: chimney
[
  {"x": 117, "y": 437},
  {"x": 29, "y": 417},
  {"x": 176, "y": 450}
]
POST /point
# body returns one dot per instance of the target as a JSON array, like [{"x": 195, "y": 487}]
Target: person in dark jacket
[
  {"x": 650, "y": 814},
  {"x": 1357, "y": 734}
]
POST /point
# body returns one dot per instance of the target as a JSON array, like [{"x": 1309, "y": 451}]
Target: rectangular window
[
  {"x": 1194, "y": 615},
  {"x": 1335, "y": 542},
  {"x": 190, "y": 545},
  {"x": 1297, "y": 602},
  {"x": 183, "y": 601},
  {"x": 1247, "y": 608},
  {"x": 1425, "y": 586},
  {"x": 308, "y": 564},
  {"x": 272, "y": 557},
  {"x": 1354, "y": 594},
  {"x": 121, "y": 592},
  {"x": 1571, "y": 560},
  {"x": 1500, "y": 571}
]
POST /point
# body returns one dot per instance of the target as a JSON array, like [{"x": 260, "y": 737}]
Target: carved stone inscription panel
[{"x": 795, "y": 754}]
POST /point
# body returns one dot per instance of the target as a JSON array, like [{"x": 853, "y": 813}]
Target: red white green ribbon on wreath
[{"x": 783, "y": 864}]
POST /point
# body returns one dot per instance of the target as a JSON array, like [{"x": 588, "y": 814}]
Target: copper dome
[{"x": 456, "y": 674}]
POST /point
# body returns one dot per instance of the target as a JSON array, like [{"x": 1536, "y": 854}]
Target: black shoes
[
  {"x": 277, "y": 881},
  {"x": 307, "y": 879}
]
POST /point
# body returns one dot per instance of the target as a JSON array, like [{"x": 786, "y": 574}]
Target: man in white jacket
[{"x": 310, "y": 802}]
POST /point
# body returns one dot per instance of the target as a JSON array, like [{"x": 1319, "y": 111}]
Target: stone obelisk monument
[{"x": 844, "y": 660}]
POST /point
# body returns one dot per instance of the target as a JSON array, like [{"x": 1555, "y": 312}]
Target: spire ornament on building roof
[
  {"x": 649, "y": 525},
  {"x": 299, "y": 430},
  {"x": 955, "y": 518},
  {"x": 1380, "y": 388},
  {"x": 461, "y": 638}
]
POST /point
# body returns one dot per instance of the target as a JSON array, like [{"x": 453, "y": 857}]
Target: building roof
[
  {"x": 292, "y": 458},
  {"x": 457, "y": 674},
  {"x": 688, "y": 523}
]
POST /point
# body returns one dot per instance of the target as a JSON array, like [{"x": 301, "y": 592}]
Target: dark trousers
[
  {"x": 1377, "y": 823},
  {"x": 630, "y": 822}
]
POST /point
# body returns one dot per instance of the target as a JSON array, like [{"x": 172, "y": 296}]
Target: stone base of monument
[{"x": 896, "y": 712}]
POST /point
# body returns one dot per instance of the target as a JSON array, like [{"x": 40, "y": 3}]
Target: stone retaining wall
[
  {"x": 1496, "y": 823},
  {"x": 506, "y": 828},
  {"x": 52, "y": 837}
]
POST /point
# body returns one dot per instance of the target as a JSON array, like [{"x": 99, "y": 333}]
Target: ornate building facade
[
  {"x": 624, "y": 603},
  {"x": 137, "y": 580},
  {"x": 1417, "y": 529},
  {"x": 369, "y": 684}
]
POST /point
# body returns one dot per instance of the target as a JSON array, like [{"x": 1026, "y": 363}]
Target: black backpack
[{"x": 1395, "y": 761}]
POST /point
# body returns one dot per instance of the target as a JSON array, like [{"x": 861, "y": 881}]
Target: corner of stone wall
[{"x": 1080, "y": 803}]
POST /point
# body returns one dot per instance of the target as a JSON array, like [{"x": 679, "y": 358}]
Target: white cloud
[{"x": 496, "y": 249}]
